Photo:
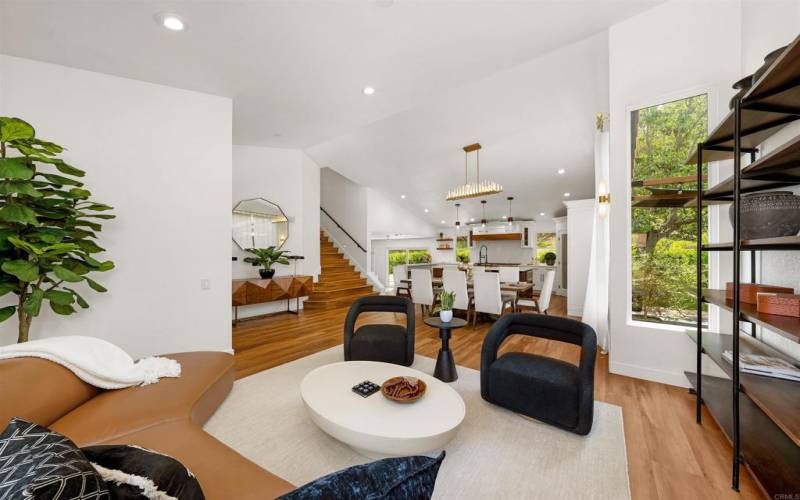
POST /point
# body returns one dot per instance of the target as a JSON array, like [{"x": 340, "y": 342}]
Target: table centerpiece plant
[
  {"x": 266, "y": 258},
  {"x": 446, "y": 300}
]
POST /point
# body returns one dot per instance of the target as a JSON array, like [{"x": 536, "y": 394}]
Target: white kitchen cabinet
[{"x": 528, "y": 238}]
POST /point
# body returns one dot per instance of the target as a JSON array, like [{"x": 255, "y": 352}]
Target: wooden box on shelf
[
  {"x": 748, "y": 291},
  {"x": 781, "y": 304}
]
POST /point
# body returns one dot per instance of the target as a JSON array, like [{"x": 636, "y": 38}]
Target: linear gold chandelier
[{"x": 477, "y": 188}]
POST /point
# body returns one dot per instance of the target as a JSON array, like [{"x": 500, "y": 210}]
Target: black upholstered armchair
[
  {"x": 386, "y": 343},
  {"x": 547, "y": 389}
]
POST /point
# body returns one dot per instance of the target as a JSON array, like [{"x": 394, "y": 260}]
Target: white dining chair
[
  {"x": 422, "y": 289},
  {"x": 454, "y": 280},
  {"x": 541, "y": 303},
  {"x": 488, "y": 297},
  {"x": 509, "y": 274},
  {"x": 400, "y": 272}
]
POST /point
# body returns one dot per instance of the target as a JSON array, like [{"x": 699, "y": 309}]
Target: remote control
[{"x": 366, "y": 389}]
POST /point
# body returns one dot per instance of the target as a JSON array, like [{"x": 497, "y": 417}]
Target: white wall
[
  {"x": 664, "y": 53},
  {"x": 580, "y": 215},
  {"x": 346, "y": 202},
  {"x": 290, "y": 179},
  {"x": 388, "y": 216},
  {"x": 162, "y": 157}
]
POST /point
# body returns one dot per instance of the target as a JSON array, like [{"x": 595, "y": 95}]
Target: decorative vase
[
  {"x": 769, "y": 215},
  {"x": 446, "y": 316},
  {"x": 266, "y": 273},
  {"x": 743, "y": 86}
]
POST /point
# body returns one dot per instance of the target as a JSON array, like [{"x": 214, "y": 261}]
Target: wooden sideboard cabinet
[{"x": 257, "y": 291}]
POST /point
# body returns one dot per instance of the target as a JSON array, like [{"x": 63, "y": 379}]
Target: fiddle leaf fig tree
[{"x": 48, "y": 227}]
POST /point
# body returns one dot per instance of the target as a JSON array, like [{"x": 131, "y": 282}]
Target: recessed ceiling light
[
  {"x": 541, "y": 214},
  {"x": 566, "y": 195},
  {"x": 368, "y": 90},
  {"x": 170, "y": 21},
  {"x": 402, "y": 197},
  {"x": 504, "y": 217},
  {"x": 561, "y": 171},
  {"x": 426, "y": 210},
  {"x": 472, "y": 219},
  {"x": 443, "y": 222}
]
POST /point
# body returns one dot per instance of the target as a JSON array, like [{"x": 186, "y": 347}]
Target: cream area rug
[{"x": 497, "y": 454}]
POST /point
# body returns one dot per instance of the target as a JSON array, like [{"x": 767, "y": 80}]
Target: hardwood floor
[{"x": 669, "y": 455}]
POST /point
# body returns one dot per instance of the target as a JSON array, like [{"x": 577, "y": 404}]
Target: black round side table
[{"x": 445, "y": 364}]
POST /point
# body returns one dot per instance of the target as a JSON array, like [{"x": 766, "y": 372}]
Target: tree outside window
[{"x": 664, "y": 237}]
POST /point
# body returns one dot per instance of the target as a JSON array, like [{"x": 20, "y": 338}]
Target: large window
[
  {"x": 406, "y": 256},
  {"x": 545, "y": 244},
  {"x": 664, "y": 232},
  {"x": 462, "y": 249}
]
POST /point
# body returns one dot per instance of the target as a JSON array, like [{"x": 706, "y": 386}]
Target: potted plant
[
  {"x": 550, "y": 258},
  {"x": 48, "y": 228},
  {"x": 446, "y": 299},
  {"x": 266, "y": 258}
]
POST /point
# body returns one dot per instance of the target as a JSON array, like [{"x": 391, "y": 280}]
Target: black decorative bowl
[{"x": 769, "y": 215}]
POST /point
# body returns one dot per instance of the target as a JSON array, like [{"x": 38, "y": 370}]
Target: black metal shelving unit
[{"x": 759, "y": 415}]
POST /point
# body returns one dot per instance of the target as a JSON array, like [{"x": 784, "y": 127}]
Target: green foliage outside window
[
  {"x": 664, "y": 239},
  {"x": 406, "y": 256},
  {"x": 462, "y": 249},
  {"x": 545, "y": 243}
]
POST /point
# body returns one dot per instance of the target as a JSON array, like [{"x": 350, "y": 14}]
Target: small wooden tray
[{"x": 386, "y": 390}]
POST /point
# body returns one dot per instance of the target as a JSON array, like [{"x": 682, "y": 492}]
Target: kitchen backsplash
[{"x": 503, "y": 252}]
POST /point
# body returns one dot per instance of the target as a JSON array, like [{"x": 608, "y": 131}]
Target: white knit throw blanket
[{"x": 95, "y": 361}]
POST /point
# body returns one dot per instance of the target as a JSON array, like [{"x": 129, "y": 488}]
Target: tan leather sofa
[{"x": 165, "y": 417}]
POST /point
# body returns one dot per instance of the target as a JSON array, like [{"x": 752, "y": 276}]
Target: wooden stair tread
[{"x": 340, "y": 283}]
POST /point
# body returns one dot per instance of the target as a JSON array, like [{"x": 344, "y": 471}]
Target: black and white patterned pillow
[
  {"x": 39, "y": 464},
  {"x": 133, "y": 472}
]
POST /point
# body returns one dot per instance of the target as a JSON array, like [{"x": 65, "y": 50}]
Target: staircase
[{"x": 339, "y": 282}]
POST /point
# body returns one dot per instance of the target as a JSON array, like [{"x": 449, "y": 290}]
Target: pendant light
[
  {"x": 477, "y": 188},
  {"x": 510, "y": 217},
  {"x": 458, "y": 221},
  {"x": 483, "y": 209}
]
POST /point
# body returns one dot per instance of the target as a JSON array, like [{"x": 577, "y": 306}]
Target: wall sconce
[{"x": 603, "y": 198}]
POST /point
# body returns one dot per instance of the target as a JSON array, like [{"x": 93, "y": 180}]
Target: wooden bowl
[{"x": 388, "y": 390}]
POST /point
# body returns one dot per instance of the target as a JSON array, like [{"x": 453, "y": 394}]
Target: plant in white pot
[{"x": 446, "y": 299}]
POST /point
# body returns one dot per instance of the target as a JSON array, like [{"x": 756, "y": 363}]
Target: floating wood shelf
[
  {"x": 778, "y": 88},
  {"x": 777, "y": 243},
  {"x": 780, "y": 168},
  {"x": 757, "y": 126},
  {"x": 770, "y": 455},
  {"x": 778, "y": 398},
  {"x": 786, "y": 326},
  {"x": 497, "y": 237}
]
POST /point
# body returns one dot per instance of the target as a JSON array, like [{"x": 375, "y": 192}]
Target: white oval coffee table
[{"x": 375, "y": 426}]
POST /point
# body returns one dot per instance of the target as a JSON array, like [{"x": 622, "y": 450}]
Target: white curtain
[{"x": 595, "y": 309}]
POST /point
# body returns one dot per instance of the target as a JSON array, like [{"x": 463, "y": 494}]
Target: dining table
[{"x": 518, "y": 287}]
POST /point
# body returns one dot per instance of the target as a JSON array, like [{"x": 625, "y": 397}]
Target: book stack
[{"x": 769, "y": 366}]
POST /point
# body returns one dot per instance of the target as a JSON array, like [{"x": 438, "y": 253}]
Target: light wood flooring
[{"x": 669, "y": 455}]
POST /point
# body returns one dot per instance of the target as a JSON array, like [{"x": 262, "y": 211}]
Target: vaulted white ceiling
[
  {"x": 531, "y": 121},
  {"x": 295, "y": 70}
]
